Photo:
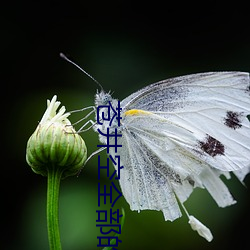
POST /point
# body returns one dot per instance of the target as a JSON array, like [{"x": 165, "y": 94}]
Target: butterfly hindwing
[
  {"x": 157, "y": 165},
  {"x": 142, "y": 183}
]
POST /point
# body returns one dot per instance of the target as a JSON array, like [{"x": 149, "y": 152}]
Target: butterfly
[
  {"x": 179, "y": 134},
  {"x": 176, "y": 135}
]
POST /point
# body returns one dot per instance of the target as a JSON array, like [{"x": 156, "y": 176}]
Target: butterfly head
[{"x": 102, "y": 98}]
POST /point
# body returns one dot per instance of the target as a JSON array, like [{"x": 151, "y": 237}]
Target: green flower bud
[{"x": 55, "y": 144}]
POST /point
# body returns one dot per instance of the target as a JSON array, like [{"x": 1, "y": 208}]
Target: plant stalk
[{"x": 53, "y": 186}]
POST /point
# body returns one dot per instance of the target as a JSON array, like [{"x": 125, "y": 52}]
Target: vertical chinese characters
[{"x": 108, "y": 220}]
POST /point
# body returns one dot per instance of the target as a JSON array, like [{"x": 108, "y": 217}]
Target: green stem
[{"x": 54, "y": 177}]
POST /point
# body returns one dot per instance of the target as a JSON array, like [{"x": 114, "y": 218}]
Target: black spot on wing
[
  {"x": 233, "y": 119},
  {"x": 190, "y": 181},
  {"x": 212, "y": 146}
]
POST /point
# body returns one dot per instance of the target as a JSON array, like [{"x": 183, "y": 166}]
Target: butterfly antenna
[{"x": 90, "y": 76}]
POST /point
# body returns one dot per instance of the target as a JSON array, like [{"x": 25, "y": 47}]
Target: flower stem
[{"x": 53, "y": 185}]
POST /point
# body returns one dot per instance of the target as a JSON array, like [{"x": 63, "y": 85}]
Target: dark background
[{"x": 125, "y": 46}]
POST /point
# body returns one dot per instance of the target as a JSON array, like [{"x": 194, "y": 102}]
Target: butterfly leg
[
  {"x": 81, "y": 110},
  {"x": 92, "y": 154},
  {"x": 83, "y": 127}
]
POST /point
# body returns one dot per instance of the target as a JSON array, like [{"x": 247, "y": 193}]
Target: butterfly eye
[
  {"x": 106, "y": 99},
  {"x": 102, "y": 98}
]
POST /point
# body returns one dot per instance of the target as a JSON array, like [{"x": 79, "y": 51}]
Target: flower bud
[{"x": 55, "y": 144}]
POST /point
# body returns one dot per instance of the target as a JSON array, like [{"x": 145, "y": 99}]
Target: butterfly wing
[
  {"x": 157, "y": 169},
  {"x": 213, "y": 106},
  {"x": 181, "y": 133}
]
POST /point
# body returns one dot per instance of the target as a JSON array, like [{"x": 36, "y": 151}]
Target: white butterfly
[{"x": 179, "y": 134}]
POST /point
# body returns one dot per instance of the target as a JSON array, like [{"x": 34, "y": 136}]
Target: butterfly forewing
[
  {"x": 212, "y": 106},
  {"x": 176, "y": 93}
]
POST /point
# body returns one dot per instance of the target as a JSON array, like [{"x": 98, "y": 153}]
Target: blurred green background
[{"x": 125, "y": 47}]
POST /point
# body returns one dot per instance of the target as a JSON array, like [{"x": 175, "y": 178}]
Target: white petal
[
  {"x": 51, "y": 114},
  {"x": 200, "y": 228}
]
